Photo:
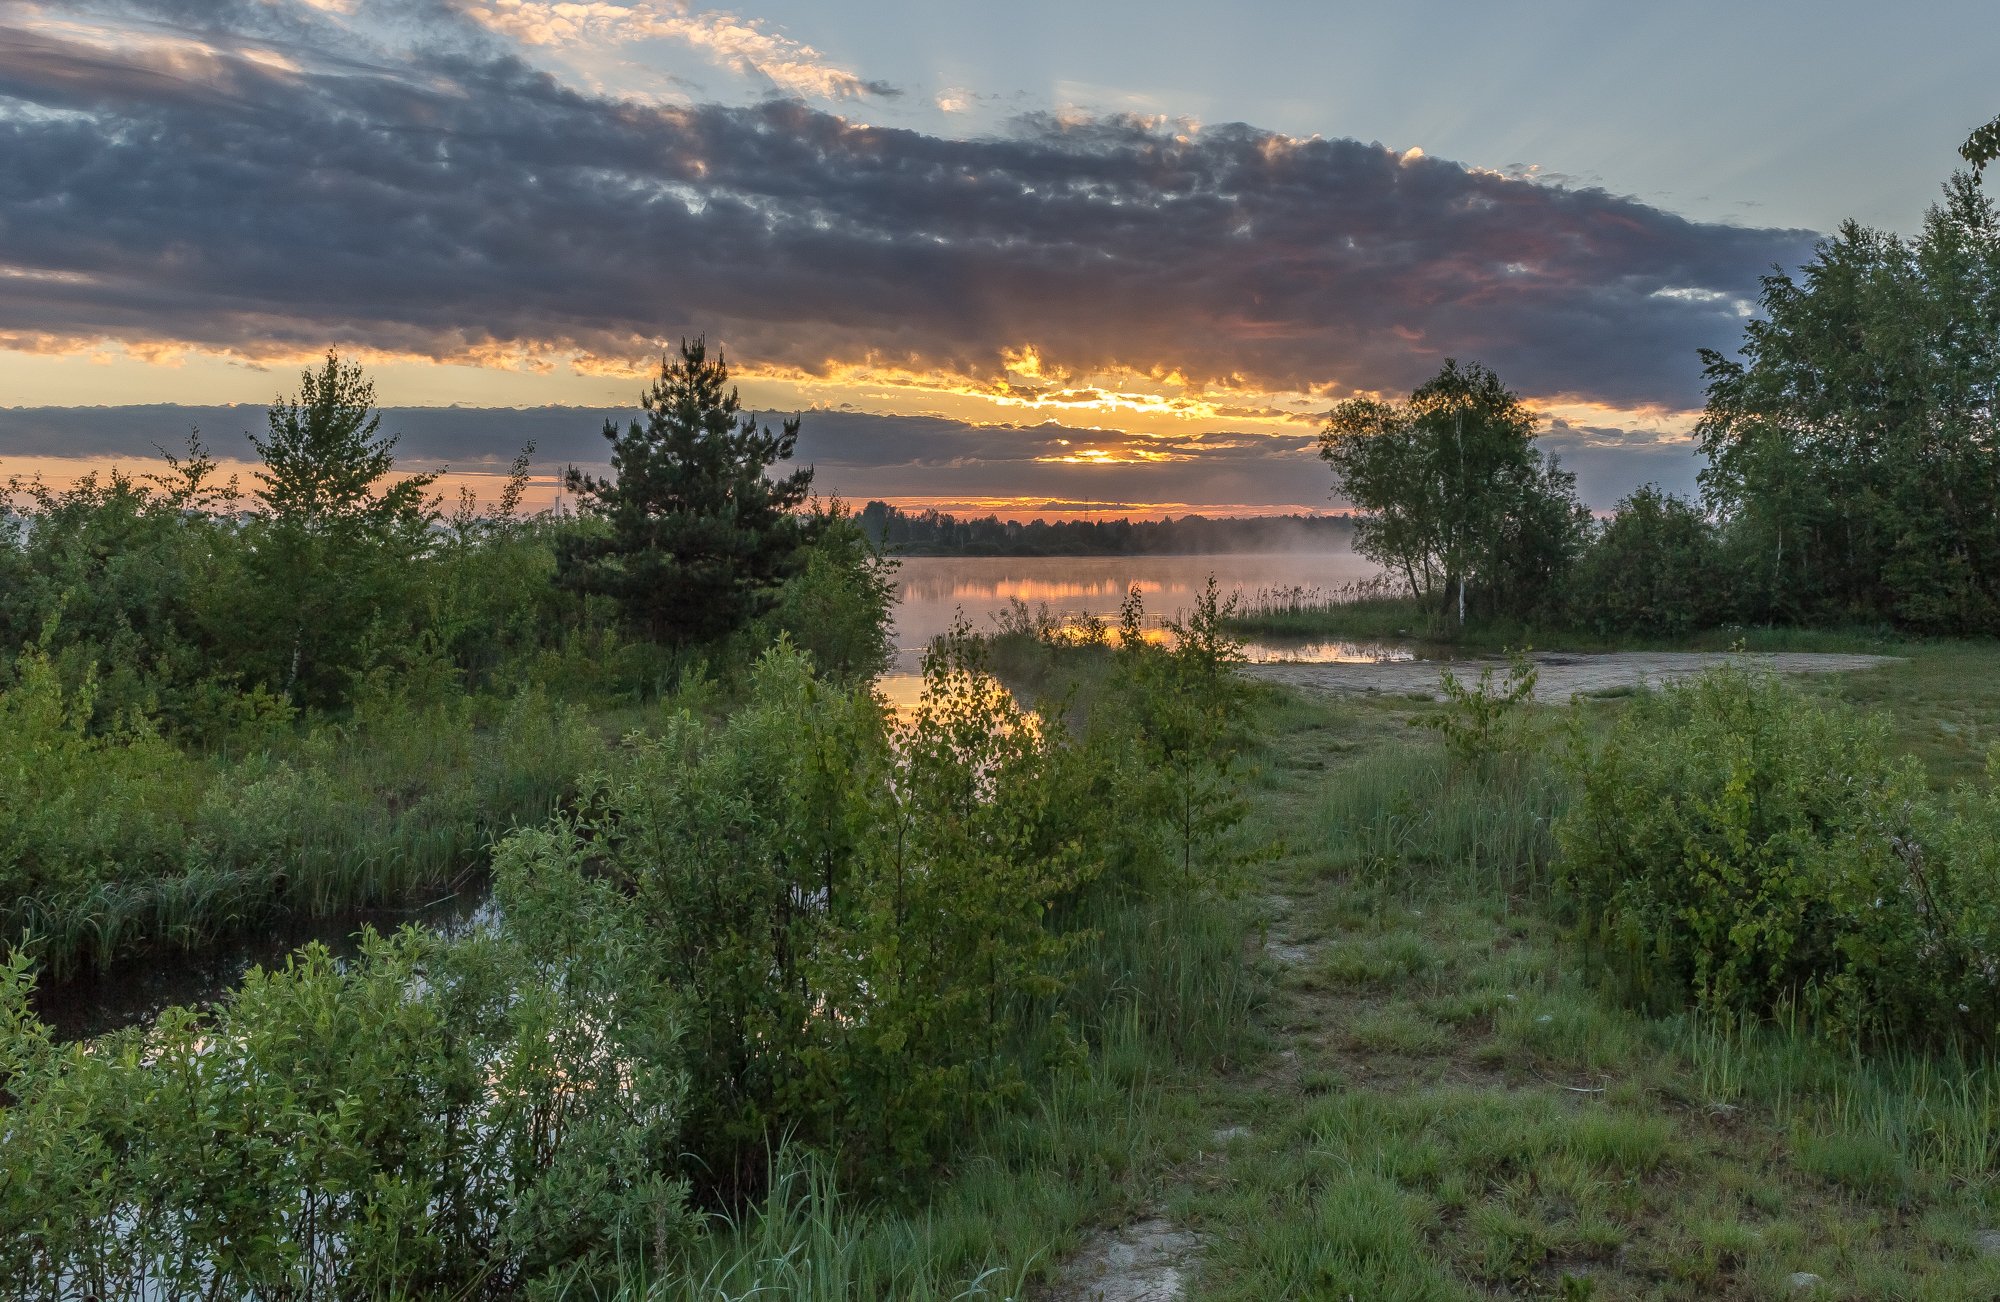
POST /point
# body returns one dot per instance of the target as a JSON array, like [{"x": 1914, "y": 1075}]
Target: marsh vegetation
[{"x": 1679, "y": 994}]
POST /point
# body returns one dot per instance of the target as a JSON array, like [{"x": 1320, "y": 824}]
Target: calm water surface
[{"x": 933, "y": 591}]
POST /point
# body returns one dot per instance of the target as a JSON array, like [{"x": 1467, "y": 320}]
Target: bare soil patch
[
  {"x": 1561, "y": 675},
  {"x": 1144, "y": 1262}
]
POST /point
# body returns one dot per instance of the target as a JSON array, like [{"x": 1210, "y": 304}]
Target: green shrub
[
  {"x": 1655, "y": 567},
  {"x": 1169, "y": 720},
  {"x": 121, "y": 573},
  {"x": 79, "y": 805},
  {"x": 1739, "y": 843},
  {"x": 426, "y": 1119},
  {"x": 837, "y": 607},
  {"x": 859, "y": 920},
  {"x": 1481, "y": 722}
]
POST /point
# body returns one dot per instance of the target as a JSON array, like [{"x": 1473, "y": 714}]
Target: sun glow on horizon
[{"x": 1126, "y": 425}]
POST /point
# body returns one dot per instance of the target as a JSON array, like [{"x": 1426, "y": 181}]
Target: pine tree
[{"x": 695, "y": 536}]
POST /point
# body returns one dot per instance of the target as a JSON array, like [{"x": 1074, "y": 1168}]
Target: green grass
[
  {"x": 1942, "y": 701},
  {"x": 1455, "y": 1111},
  {"x": 384, "y": 812},
  {"x": 1408, "y": 620}
]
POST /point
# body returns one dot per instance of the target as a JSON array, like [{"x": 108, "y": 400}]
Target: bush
[
  {"x": 1655, "y": 568},
  {"x": 1739, "y": 843},
  {"x": 426, "y": 1119},
  {"x": 78, "y": 806},
  {"x": 1484, "y": 721},
  {"x": 1169, "y": 723},
  {"x": 857, "y": 919},
  {"x": 838, "y": 606},
  {"x": 121, "y": 574}
]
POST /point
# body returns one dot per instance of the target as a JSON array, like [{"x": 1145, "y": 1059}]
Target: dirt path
[
  {"x": 1451, "y": 1110},
  {"x": 1561, "y": 675}
]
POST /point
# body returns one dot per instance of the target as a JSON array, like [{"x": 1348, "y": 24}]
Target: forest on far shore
[{"x": 934, "y": 533}]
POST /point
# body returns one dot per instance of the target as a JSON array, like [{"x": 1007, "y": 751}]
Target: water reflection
[
  {"x": 1322, "y": 652},
  {"x": 933, "y": 591}
]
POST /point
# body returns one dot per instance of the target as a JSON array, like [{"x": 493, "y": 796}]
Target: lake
[{"x": 933, "y": 590}]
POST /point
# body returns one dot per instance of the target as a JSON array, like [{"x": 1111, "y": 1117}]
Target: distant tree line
[
  {"x": 934, "y": 533},
  {"x": 1852, "y": 463}
]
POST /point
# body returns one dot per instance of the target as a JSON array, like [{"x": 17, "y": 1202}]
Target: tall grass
[
  {"x": 1164, "y": 991},
  {"x": 807, "y": 1242},
  {"x": 1884, "y": 1122},
  {"x": 391, "y": 810},
  {"x": 1416, "y": 821},
  {"x": 1380, "y": 607}
]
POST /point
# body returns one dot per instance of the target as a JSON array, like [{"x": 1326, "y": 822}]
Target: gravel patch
[
  {"x": 1144, "y": 1262},
  {"x": 1560, "y": 676}
]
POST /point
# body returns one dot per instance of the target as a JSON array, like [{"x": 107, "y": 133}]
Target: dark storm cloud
[{"x": 450, "y": 199}]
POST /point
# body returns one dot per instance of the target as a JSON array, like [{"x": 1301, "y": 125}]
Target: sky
[{"x": 1036, "y": 258}]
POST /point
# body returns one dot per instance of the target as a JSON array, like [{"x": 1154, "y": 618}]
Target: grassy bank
[
  {"x": 1377, "y": 618},
  {"x": 122, "y": 843},
  {"x": 1454, "y": 1107},
  {"x": 924, "y": 997}
]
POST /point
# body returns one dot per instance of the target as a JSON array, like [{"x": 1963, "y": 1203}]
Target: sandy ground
[
  {"x": 1561, "y": 675},
  {"x": 1146, "y": 1262}
]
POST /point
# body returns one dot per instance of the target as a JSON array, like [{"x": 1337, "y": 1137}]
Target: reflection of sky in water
[{"x": 933, "y": 590}]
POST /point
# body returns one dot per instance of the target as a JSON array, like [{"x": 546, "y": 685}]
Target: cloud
[
  {"x": 1609, "y": 463},
  {"x": 442, "y": 198},
  {"x": 741, "y": 44}
]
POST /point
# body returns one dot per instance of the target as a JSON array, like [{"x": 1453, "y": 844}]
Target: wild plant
[
  {"x": 1758, "y": 851},
  {"x": 1485, "y": 719},
  {"x": 428, "y": 1118},
  {"x": 1177, "y": 707}
]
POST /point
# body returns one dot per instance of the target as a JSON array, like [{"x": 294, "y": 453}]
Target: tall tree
[
  {"x": 695, "y": 536},
  {"x": 1459, "y": 500},
  {"x": 1981, "y": 147},
  {"x": 1854, "y": 452},
  {"x": 332, "y": 550}
]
